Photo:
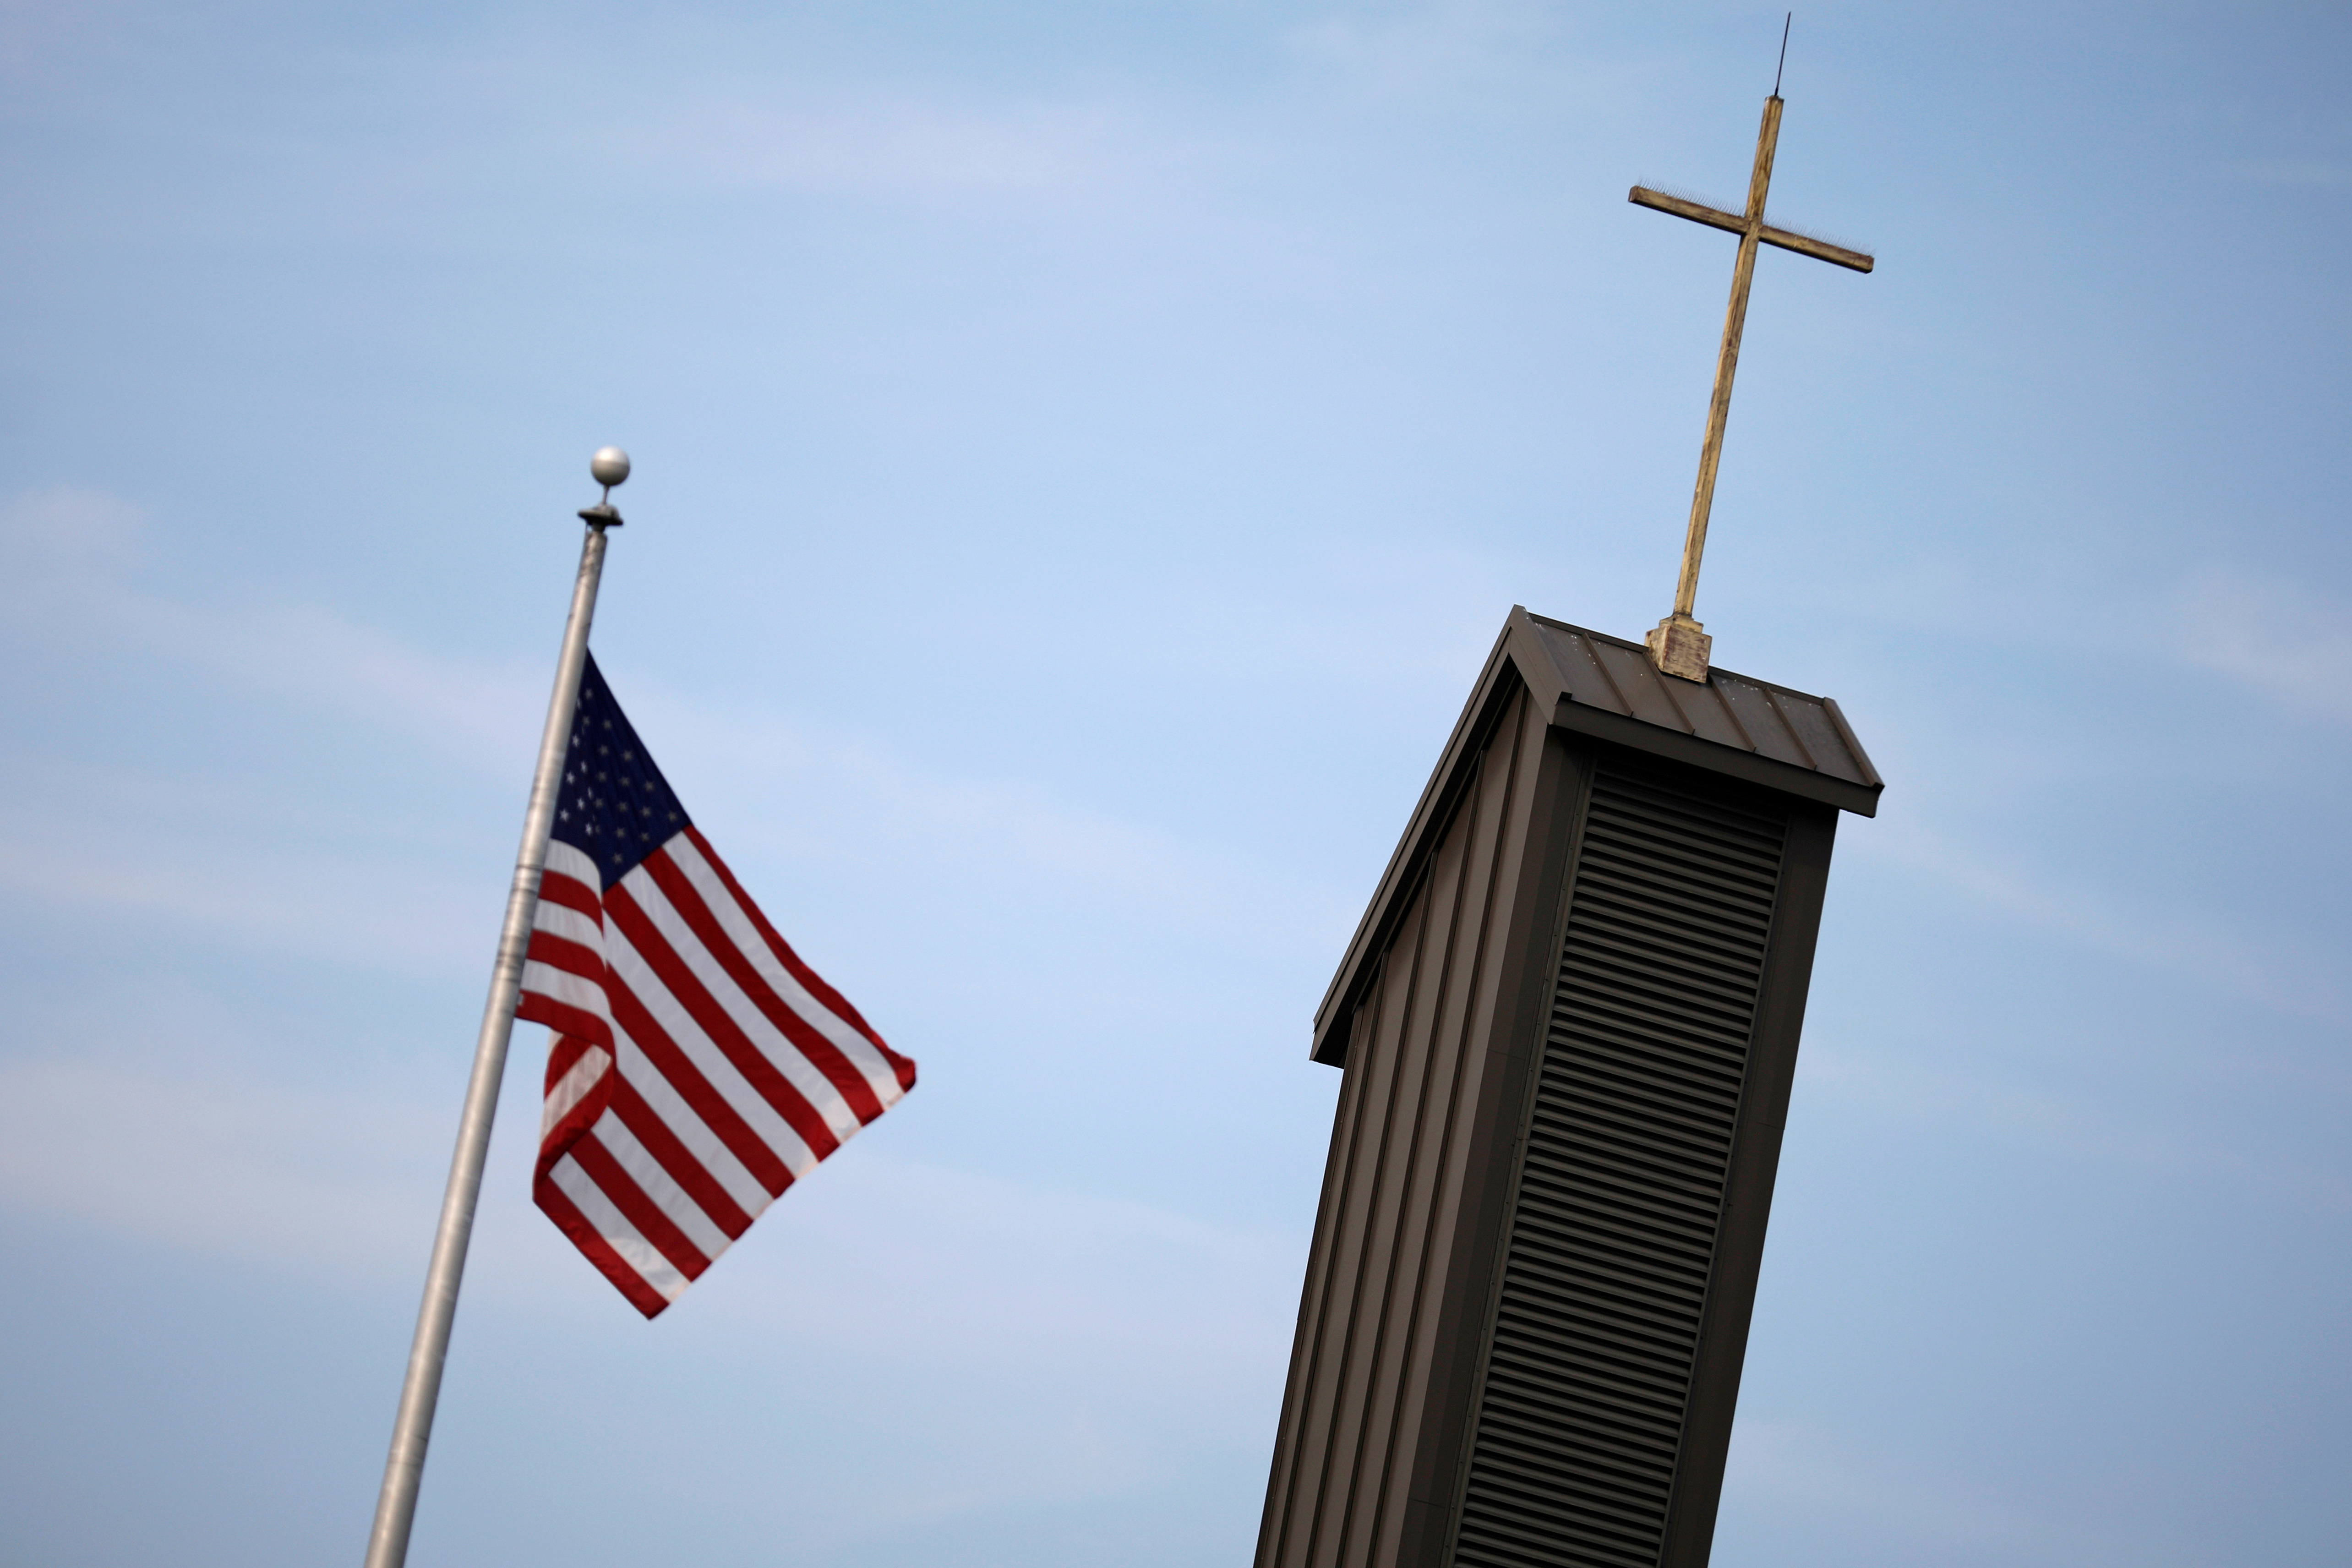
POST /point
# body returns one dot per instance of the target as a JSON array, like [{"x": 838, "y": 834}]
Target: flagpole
[{"x": 420, "y": 1391}]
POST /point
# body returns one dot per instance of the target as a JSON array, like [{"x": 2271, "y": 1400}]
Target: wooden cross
[{"x": 1679, "y": 645}]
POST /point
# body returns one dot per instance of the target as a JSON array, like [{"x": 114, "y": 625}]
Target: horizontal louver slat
[{"x": 1612, "y": 1233}]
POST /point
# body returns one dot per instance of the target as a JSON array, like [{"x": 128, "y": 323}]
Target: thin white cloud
[
  {"x": 2310, "y": 172},
  {"x": 98, "y": 838},
  {"x": 83, "y": 583},
  {"x": 2281, "y": 974},
  {"x": 1908, "y": 1086},
  {"x": 1007, "y": 824},
  {"x": 881, "y": 145},
  {"x": 307, "y": 1182},
  {"x": 1066, "y": 1343},
  {"x": 339, "y": 1184},
  {"x": 1912, "y": 1510},
  {"x": 1434, "y": 50},
  {"x": 2289, "y": 646},
  {"x": 697, "y": 121},
  {"x": 1087, "y": 1334},
  {"x": 2288, "y": 642},
  {"x": 252, "y": 891}
]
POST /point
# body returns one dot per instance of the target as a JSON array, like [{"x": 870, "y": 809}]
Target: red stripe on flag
[
  {"x": 561, "y": 1057},
  {"x": 537, "y": 1007},
  {"x": 556, "y": 1141},
  {"x": 663, "y": 1055},
  {"x": 834, "y": 1002},
  {"x": 596, "y": 1249},
  {"x": 555, "y": 888},
  {"x": 722, "y": 1031},
  {"x": 639, "y": 1210},
  {"x": 562, "y": 953},
  {"x": 678, "y": 1161},
  {"x": 821, "y": 1053}
]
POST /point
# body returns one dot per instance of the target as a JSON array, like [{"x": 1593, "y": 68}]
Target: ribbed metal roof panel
[{"x": 1736, "y": 711}]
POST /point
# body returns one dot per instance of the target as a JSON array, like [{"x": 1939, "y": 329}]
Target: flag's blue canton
[{"x": 613, "y": 805}]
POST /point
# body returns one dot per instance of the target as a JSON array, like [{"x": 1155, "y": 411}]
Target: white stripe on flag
[
  {"x": 563, "y": 860},
  {"x": 572, "y": 1087},
  {"x": 632, "y": 971},
  {"x": 793, "y": 995},
  {"x": 618, "y": 1233},
  {"x": 654, "y": 1179},
  {"x": 663, "y": 1099},
  {"x": 563, "y": 985},
  {"x": 563, "y": 921},
  {"x": 772, "y": 1043}
]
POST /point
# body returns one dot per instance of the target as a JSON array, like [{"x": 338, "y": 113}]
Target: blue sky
[{"x": 1084, "y": 453}]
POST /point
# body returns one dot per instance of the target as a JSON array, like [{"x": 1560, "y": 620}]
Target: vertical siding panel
[
  {"x": 1470, "y": 849},
  {"x": 1413, "y": 1080},
  {"x": 1350, "y": 1218},
  {"x": 1299, "y": 1389},
  {"x": 1400, "y": 1130},
  {"x": 1504, "y": 844},
  {"x": 1484, "y": 830}
]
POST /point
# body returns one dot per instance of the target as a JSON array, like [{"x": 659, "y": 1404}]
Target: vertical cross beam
[{"x": 1679, "y": 645}]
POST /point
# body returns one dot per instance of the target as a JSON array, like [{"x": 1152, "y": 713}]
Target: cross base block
[{"x": 1679, "y": 645}]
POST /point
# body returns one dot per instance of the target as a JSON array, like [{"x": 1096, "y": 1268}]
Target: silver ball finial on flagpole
[{"x": 608, "y": 468}]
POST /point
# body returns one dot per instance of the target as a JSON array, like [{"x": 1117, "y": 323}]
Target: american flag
[{"x": 699, "y": 1067}]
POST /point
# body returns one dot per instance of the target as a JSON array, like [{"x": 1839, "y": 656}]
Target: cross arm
[{"x": 1732, "y": 223}]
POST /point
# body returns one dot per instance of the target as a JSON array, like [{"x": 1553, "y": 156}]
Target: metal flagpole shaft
[{"x": 420, "y": 1391}]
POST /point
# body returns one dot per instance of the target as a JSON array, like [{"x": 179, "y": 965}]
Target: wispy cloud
[
  {"x": 891, "y": 145},
  {"x": 1900, "y": 1086},
  {"x": 1115, "y": 1329},
  {"x": 2288, "y": 644},
  {"x": 1910, "y": 1509},
  {"x": 2284, "y": 644},
  {"x": 1092, "y": 1332},
  {"x": 879, "y": 800},
  {"x": 99, "y": 838},
  {"x": 2309, "y": 172},
  {"x": 2291, "y": 977},
  {"x": 1433, "y": 50},
  {"x": 102, "y": 855},
  {"x": 337, "y": 1183},
  {"x": 313, "y": 1184},
  {"x": 85, "y": 581}
]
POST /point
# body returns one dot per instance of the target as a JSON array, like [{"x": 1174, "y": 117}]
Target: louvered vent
[{"x": 1612, "y": 1234}]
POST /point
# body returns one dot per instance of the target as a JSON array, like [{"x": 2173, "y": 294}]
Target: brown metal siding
[{"x": 1418, "y": 1057}]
